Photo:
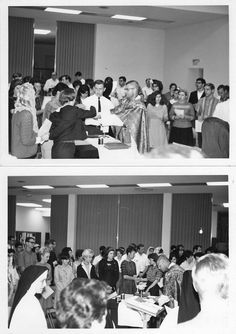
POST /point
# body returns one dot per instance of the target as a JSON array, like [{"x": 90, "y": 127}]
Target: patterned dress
[
  {"x": 128, "y": 286},
  {"x": 172, "y": 282}
]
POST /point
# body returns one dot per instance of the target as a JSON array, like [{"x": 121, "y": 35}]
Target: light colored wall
[
  {"x": 137, "y": 53},
  {"x": 30, "y": 220},
  {"x": 208, "y": 41}
]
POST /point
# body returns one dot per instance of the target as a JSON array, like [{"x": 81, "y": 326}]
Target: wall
[
  {"x": 137, "y": 53},
  {"x": 208, "y": 41},
  {"x": 30, "y": 220}
]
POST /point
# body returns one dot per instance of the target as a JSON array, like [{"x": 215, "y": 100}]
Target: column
[
  {"x": 166, "y": 223},
  {"x": 71, "y": 222}
]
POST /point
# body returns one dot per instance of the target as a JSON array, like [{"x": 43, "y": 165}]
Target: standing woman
[
  {"x": 128, "y": 272},
  {"x": 26, "y": 311},
  {"x": 153, "y": 275},
  {"x": 182, "y": 114},
  {"x": 63, "y": 275},
  {"x": 108, "y": 269},
  {"x": 44, "y": 257},
  {"x": 24, "y": 124},
  {"x": 12, "y": 276},
  {"x": 157, "y": 116},
  {"x": 86, "y": 269}
]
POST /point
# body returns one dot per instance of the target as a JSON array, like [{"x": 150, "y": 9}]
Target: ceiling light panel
[
  {"x": 29, "y": 205},
  {"x": 90, "y": 186},
  {"x": 63, "y": 10},
  {"x": 222, "y": 183},
  {"x": 41, "y": 32},
  {"x": 153, "y": 185},
  {"x": 127, "y": 17},
  {"x": 38, "y": 187}
]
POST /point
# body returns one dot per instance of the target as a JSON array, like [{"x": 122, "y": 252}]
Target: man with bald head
[
  {"x": 173, "y": 277},
  {"x": 133, "y": 114}
]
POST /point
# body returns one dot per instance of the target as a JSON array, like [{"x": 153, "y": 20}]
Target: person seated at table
[
  {"x": 128, "y": 272},
  {"x": 67, "y": 126},
  {"x": 132, "y": 112},
  {"x": 108, "y": 269},
  {"x": 82, "y": 94},
  {"x": 182, "y": 113},
  {"x": 83, "y": 304},
  {"x": 211, "y": 281},
  {"x": 157, "y": 116},
  {"x": 153, "y": 275}
]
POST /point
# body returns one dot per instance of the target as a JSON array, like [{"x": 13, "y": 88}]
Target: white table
[{"x": 111, "y": 155}]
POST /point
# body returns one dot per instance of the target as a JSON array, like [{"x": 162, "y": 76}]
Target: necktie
[{"x": 99, "y": 105}]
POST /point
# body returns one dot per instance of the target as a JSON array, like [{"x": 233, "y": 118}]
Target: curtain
[
  {"x": 11, "y": 215},
  {"x": 75, "y": 48},
  {"x": 96, "y": 224},
  {"x": 190, "y": 213},
  {"x": 140, "y": 220},
  {"x": 21, "y": 45},
  {"x": 59, "y": 218}
]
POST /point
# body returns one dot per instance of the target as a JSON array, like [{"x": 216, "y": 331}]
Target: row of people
[{"x": 127, "y": 104}]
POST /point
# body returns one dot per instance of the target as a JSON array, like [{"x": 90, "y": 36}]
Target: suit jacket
[
  {"x": 81, "y": 273},
  {"x": 193, "y": 98}
]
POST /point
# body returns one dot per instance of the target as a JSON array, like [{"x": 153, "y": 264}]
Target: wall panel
[{"x": 190, "y": 212}]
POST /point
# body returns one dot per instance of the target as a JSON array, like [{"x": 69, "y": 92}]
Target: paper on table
[
  {"x": 179, "y": 112},
  {"x": 198, "y": 126},
  {"x": 163, "y": 299},
  {"x": 45, "y": 128},
  {"x": 46, "y": 99},
  {"x": 111, "y": 119},
  {"x": 92, "y": 121},
  {"x": 47, "y": 292}
]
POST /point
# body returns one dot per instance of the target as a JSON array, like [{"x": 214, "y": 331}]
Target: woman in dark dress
[
  {"x": 108, "y": 269},
  {"x": 86, "y": 269},
  {"x": 128, "y": 272},
  {"x": 68, "y": 126}
]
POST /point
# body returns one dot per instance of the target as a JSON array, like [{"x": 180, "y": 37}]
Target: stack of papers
[{"x": 143, "y": 305}]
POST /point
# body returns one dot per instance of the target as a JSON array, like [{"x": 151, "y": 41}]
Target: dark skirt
[
  {"x": 182, "y": 136},
  {"x": 63, "y": 150}
]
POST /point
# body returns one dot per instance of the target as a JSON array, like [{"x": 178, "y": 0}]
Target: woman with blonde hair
[
  {"x": 24, "y": 124},
  {"x": 86, "y": 269}
]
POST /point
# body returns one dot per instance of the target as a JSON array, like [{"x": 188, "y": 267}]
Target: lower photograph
[{"x": 118, "y": 251}]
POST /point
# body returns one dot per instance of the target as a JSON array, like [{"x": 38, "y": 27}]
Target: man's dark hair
[
  {"x": 29, "y": 238},
  {"x": 153, "y": 256},
  {"x": 130, "y": 249},
  {"x": 203, "y": 81},
  {"x": 195, "y": 247},
  {"x": 209, "y": 84},
  {"x": 187, "y": 254},
  {"x": 140, "y": 246},
  {"x": 59, "y": 88},
  {"x": 66, "y": 76},
  {"x": 221, "y": 87},
  {"x": 158, "y": 83},
  {"x": 77, "y": 83},
  {"x": 90, "y": 83},
  {"x": 172, "y": 84},
  {"x": 66, "y": 96},
  {"x": 122, "y": 78},
  {"x": 78, "y": 74},
  {"x": 198, "y": 254},
  {"x": 17, "y": 244}
]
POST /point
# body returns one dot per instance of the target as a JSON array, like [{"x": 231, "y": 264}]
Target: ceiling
[
  {"x": 158, "y": 17},
  {"x": 118, "y": 185}
]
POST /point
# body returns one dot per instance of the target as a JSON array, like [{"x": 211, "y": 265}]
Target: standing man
[
  {"x": 205, "y": 107},
  {"x": 141, "y": 260},
  {"x": 119, "y": 91},
  {"x": 51, "y": 245},
  {"x": 27, "y": 257},
  {"x": 102, "y": 106},
  {"x": 132, "y": 112},
  {"x": 197, "y": 94},
  {"x": 173, "y": 277},
  {"x": 51, "y": 83},
  {"x": 147, "y": 89},
  {"x": 78, "y": 76}
]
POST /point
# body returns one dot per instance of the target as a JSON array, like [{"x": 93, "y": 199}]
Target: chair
[{"x": 215, "y": 138}]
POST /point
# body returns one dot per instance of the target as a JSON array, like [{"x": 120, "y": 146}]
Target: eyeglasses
[{"x": 32, "y": 242}]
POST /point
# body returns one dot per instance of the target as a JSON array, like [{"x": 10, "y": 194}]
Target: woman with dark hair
[
  {"x": 128, "y": 272},
  {"x": 68, "y": 251},
  {"x": 108, "y": 84},
  {"x": 26, "y": 311},
  {"x": 182, "y": 114},
  {"x": 153, "y": 275},
  {"x": 108, "y": 269},
  {"x": 63, "y": 274},
  {"x": 157, "y": 116},
  {"x": 68, "y": 126},
  {"x": 83, "y": 93},
  {"x": 83, "y": 304}
]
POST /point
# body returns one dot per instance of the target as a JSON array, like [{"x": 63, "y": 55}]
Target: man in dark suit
[{"x": 197, "y": 94}]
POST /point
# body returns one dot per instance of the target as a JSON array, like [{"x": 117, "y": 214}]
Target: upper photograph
[{"x": 118, "y": 83}]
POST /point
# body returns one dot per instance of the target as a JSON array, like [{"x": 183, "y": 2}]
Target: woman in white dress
[
  {"x": 26, "y": 312},
  {"x": 157, "y": 116}
]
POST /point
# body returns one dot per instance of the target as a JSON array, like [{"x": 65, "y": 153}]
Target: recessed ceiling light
[
  {"x": 153, "y": 185},
  {"x": 127, "y": 17},
  {"x": 47, "y": 200},
  {"x": 92, "y": 186},
  {"x": 225, "y": 205},
  {"x": 62, "y": 10},
  {"x": 29, "y": 205},
  {"x": 41, "y": 32},
  {"x": 220, "y": 183},
  {"x": 43, "y": 209},
  {"x": 38, "y": 187}
]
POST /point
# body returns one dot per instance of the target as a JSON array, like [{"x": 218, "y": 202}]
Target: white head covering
[{"x": 26, "y": 101}]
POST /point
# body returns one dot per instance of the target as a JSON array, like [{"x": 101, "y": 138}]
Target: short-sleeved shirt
[{"x": 26, "y": 259}]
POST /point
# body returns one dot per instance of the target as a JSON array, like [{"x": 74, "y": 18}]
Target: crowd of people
[
  {"x": 77, "y": 288},
  {"x": 146, "y": 118}
]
